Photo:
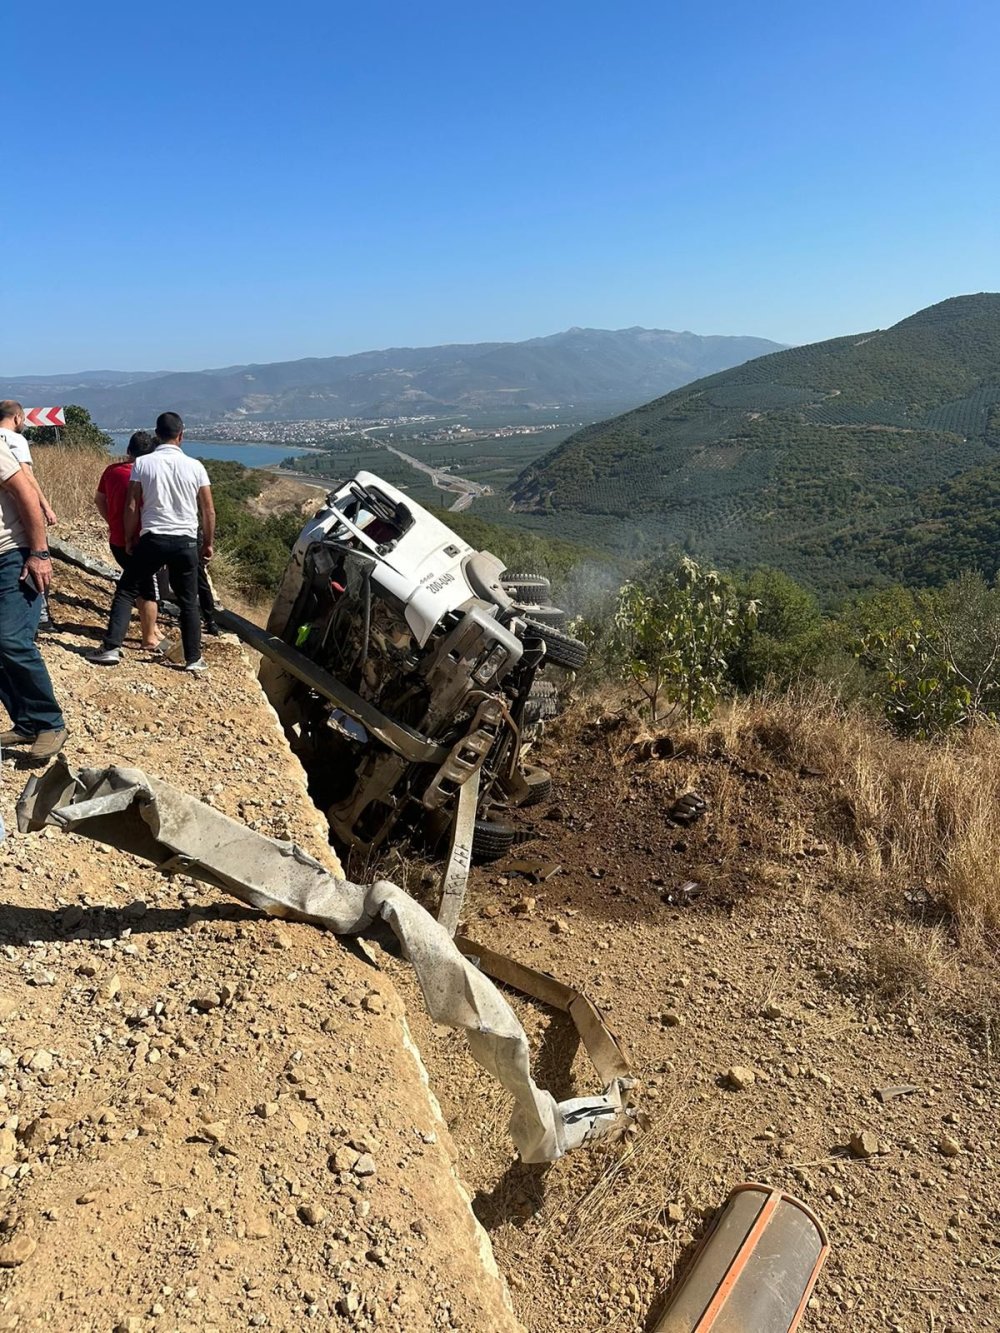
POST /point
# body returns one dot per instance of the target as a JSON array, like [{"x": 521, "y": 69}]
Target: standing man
[
  {"x": 168, "y": 496},
  {"x": 11, "y": 426},
  {"x": 25, "y": 572},
  {"x": 112, "y": 493}
]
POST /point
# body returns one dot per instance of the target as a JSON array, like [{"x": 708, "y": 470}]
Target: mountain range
[
  {"x": 847, "y": 463},
  {"x": 596, "y": 370}
]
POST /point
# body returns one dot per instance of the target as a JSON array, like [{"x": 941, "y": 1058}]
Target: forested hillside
[
  {"x": 605, "y": 368},
  {"x": 847, "y": 463}
]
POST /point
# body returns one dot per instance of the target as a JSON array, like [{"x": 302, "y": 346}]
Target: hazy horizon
[{"x": 357, "y": 351}]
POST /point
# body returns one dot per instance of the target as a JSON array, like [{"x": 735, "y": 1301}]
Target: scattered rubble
[{"x": 189, "y": 1219}]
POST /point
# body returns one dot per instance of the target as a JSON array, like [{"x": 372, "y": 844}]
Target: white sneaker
[{"x": 197, "y": 667}]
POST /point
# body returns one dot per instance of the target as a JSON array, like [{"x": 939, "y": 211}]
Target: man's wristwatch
[{"x": 39, "y": 555}]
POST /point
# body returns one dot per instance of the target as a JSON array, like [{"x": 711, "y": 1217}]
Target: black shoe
[{"x": 212, "y": 627}]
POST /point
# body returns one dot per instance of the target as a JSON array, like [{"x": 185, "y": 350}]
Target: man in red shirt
[{"x": 112, "y": 490}]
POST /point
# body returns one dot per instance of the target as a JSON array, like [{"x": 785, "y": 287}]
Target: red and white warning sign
[{"x": 44, "y": 416}]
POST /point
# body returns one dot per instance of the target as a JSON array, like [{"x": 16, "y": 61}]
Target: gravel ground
[
  {"x": 208, "y": 1119},
  {"x": 763, "y": 1016}
]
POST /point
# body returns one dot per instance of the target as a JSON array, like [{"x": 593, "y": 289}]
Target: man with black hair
[
  {"x": 112, "y": 492},
  {"x": 169, "y": 497}
]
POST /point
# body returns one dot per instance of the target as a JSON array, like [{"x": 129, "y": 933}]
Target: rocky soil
[
  {"x": 786, "y": 1027},
  {"x": 208, "y": 1119}
]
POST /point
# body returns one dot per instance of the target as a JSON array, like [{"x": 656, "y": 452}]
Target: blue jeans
[{"x": 25, "y": 687}]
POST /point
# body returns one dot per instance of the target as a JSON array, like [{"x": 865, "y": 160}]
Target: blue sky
[{"x": 207, "y": 184}]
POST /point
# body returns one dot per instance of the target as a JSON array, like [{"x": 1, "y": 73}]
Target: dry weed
[
  {"x": 616, "y": 1219},
  {"x": 914, "y": 961},
  {"x": 899, "y": 811},
  {"x": 69, "y": 479}
]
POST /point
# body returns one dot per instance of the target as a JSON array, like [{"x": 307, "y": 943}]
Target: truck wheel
[
  {"x": 539, "y": 787},
  {"x": 539, "y": 710},
  {"x": 542, "y": 615},
  {"x": 560, "y": 649},
  {"x": 543, "y": 689},
  {"x": 491, "y": 841},
  {"x": 527, "y": 587}
]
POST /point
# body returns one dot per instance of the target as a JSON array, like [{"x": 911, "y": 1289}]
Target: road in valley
[{"x": 464, "y": 490}]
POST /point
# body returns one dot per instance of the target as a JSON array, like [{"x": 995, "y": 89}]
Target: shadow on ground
[{"x": 36, "y": 925}]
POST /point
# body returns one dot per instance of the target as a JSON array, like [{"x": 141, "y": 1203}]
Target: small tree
[
  {"x": 672, "y": 634},
  {"x": 936, "y": 665},
  {"x": 78, "y": 433},
  {"x": 918, "y": 689},
  {"x": 786, "y": 638},
  {"x": 963, "y": 621}
]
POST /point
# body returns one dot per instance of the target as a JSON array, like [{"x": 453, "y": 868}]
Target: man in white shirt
[
  {"x": 25, "y": 570},
  {"x": 169, "y": 497},
  {"x": 11, "y": 426}
]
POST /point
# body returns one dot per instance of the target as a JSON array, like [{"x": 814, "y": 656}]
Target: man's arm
[
  {"x": 26, "y": 498},
  {"x": 133, "y": 510},
  {"x": 206, "y": 521},
  {"x": 101, "y": 501},
  {"x": 48, "y": 514}
]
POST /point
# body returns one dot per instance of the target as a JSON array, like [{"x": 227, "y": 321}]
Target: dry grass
[
  {"x": 69, "y": 478},
  {"x": 907, "y": 812},
  {"x": 898, "y": 816}
]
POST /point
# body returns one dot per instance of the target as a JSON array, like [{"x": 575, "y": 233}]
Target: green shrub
[
  {"x": 78, "y": 433},
  {"x": 787, "y": 637},
  {"x": 258, "y": 547},
  {"x": 672, "y": 634},
  {"x": 917, "y": 688},
  {"x": 933, "y": 656}
]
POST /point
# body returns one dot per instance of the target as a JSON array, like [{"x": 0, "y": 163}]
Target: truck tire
[
  {"x": 491, "y": 841},
  {"x": 542, "y": 615},
  {"x": 560, "y": 649},
  {"x": 543, "y": 689},
  {"x": 527, "y": 587},
  {"x": 539, "y": 787},
  {"x": 539, "y": 710}
]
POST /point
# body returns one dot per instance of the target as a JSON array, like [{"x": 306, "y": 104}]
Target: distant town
[{"x": 320, "y": 434}]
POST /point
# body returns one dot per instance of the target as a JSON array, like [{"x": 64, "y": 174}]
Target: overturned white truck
[{"x": 427, "y": 656}]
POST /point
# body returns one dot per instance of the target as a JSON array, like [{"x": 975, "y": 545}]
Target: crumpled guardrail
[{"x": 127, "y": 809}]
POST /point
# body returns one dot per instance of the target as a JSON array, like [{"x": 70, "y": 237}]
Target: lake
[{"x": 250, "y": 455}]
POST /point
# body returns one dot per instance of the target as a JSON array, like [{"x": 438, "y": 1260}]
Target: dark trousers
[
  {"x": 152, "y": 551},
  {"x": 148, "y": 590},
  {"x": 206, "y": 601},
  {"x": 25, "y": 688}
]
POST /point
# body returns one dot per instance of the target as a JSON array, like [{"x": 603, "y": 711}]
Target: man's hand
[
  {"x": 207, "y": 551},
  {"x": 48, "y": 513},
  {"x": 38, "y": 572}
]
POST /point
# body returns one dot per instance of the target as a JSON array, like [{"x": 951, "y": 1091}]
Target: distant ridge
[
  {"x": 846, "y": 463},
  {"x": 595, "y": 369}
]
